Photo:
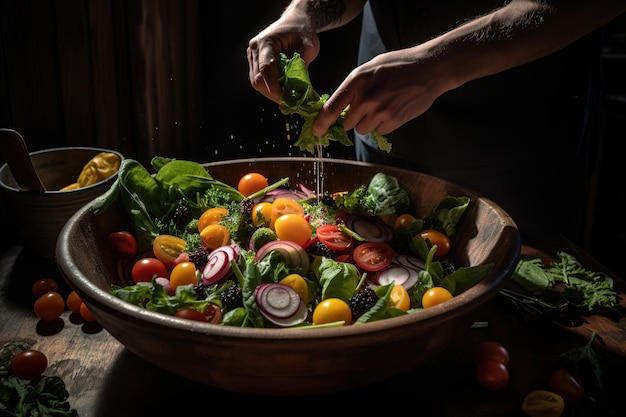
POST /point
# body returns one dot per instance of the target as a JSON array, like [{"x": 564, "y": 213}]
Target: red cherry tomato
[
  {"x": 29, "y": 364},
  {"x": 44, "y": 285},
  {"x": 373, "y": 256},
  {"x": 190, "y": 314},
  {"x": 49, "y": 306},
  {"x": 331, "y": 236},
  {"x": 123, "y": 244},
  {"x": 146, "y": 268},
  {"x": 492, "y": 375},
  {"x": 490, "y": 350},
  {"x": 567, "y": 385}
]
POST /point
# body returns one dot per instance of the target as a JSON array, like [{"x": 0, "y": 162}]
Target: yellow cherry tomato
[
  {"x": 542, "y": 403},
  {"x": 166, "y": 248},
  {"x": 332, "y": 310},
  {"x": 211, "y": 216},
  {"x": 285, "y": 205},
  {"x": 214, "y": 236},
  {"x": 183, "y": 273},
  {"x": 297, "y": 282},
  {"x": 434, "y": 296},
  {"x": 293, "y": 227},
  {"x": 399, "y": 298},
  {"x": 262, "y": 214},
  {"x": 251, "y": 183}
]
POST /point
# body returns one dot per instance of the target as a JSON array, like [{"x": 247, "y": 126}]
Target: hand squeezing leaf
[{"x": 299, "y": 97}]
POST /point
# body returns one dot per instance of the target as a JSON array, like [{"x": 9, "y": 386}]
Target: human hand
[
  {"x": 385, "y": 92},
  {"x": 291, "y": 33}
]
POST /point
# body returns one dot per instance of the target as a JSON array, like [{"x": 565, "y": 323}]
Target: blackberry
[
  {"x": 361, "y": 302},
  {"x": 200, "y": 291},
  {"x": 448, "y": 268},
  {"x": 231, "y": 298},
  {"x": 181, "y": 216},
  {"x": 320, "y": 249},
  {"x": 327, "y": 200},
  {"x": 247, "y": 205},
  {"x": 199, "y": 257}
]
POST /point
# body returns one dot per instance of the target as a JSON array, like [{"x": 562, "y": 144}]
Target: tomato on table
[
  {"x": 333, "y": 237},
  {"x": 491, "y": 350},
  {"x": 49, "y": 306},
  {"x": 373, "y": 256},
  {"x": 44, "y": 285},
  {"x": 492, "y": 375},
  {"x": 567, "y": 385},
  {"x": 145, "y": 268},
  {"x": 29, "y": 364}
]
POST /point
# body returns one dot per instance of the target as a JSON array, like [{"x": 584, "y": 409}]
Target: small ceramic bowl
[
  {"x": 283, "y": 362},
  {"x": 40, "y": 216}
]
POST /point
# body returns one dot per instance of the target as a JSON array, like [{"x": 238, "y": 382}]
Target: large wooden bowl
[{"x": 291, "y": 361}]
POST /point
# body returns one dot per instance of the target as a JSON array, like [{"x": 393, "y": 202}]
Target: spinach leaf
[{"x": 299, "y": 97}]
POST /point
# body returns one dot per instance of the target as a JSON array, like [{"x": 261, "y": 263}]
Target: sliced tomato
[
  {"x": 167, "y": 248},
  {"x": 373, "y": 256},
  {"x": 333, "y": 237}
]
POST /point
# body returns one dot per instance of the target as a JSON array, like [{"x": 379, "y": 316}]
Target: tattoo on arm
[{"x": 327, "y": 12}]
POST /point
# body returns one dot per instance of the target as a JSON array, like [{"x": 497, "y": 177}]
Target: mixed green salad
[{"x": 278, "y": 255}]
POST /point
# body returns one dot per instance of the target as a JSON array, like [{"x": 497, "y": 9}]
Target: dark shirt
[{"x": 523, "y": 138}]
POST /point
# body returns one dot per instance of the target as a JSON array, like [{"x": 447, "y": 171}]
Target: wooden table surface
[{"x": 105, "y": 379}]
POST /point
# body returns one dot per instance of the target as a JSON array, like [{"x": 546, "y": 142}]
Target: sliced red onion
[
  {"x": 370, "y": 228},
  {"x": 399, "y": 274}
]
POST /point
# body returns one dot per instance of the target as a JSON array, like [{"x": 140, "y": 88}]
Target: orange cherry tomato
[
  {"x": 404, "y": 221},
  {"x": 435, "y": 237},
  {"x": 284, "y": 205},
  {"x": 399, "y": 298},
  {"x": 211, "y": 216},
  {"x": 434, "y": 296},
  {"x": 49, "y": 306},
  {"x": 215, "y": 236},
  {"x": 293, "y": 227},
  {"x": 73, "y": 302},
  {"x": 183, "y": 273},
  {"x": 251, "y": 183},
  {"x": 332, "y": 310},
  {"x": 85, "y": 313},
  {"x": 262, "y": 214}
]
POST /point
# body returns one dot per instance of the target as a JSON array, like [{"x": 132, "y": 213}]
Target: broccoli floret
[{"x": 261, "y": 236}]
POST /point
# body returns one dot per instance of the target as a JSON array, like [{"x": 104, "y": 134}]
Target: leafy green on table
[
  {"x": 300, "y": 98},
  {"x": 581, "y": 287},
  {"x": 45, "y": 397}
]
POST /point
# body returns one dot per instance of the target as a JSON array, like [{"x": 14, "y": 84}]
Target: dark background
[{"x": 170, "y": 78}]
